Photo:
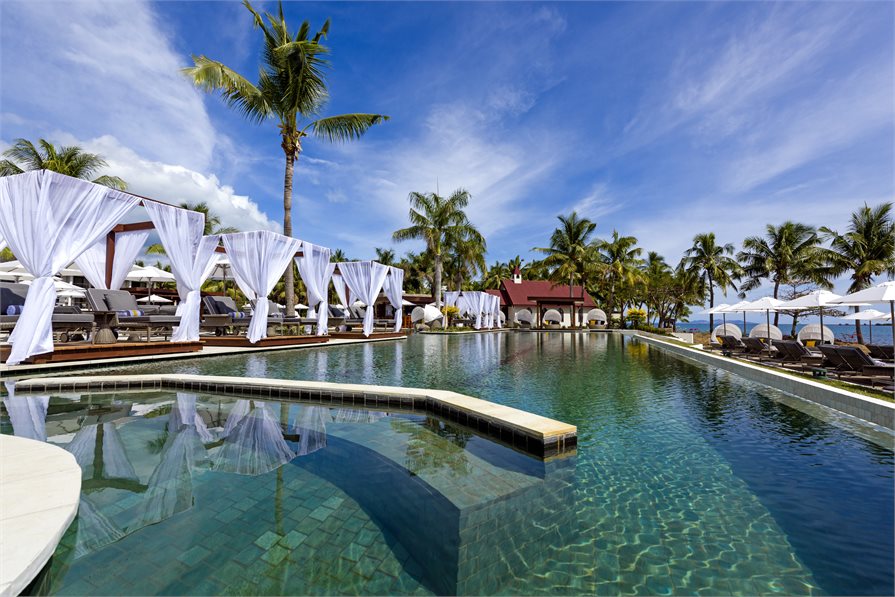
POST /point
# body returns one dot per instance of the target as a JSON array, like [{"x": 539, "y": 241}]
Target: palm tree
[
  {"x": 567, "y": 254},
  {"x": 714, "y": 266},
  {"x": 71, "y": 161},
  {"x": 786, "y": 253},
  {"x": 495, "y": 275},
  {"x": 292, "y": 89},
  {"x": 656, "y": 275},
  {"x": 385, "y": 256},
  {"x": 465, "y": 259},
  {"x": 866, "y": 249},
  {"x": 620, "y": 265},
  {"x": 338, "y": 256},
  {"x": 515, "y": 262},
  {"x": 439, "y": 221}
]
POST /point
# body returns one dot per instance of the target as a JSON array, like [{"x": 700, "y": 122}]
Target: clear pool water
[{"x": 687, "y": 480}]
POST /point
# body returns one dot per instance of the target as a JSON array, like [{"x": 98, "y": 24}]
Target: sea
[{"x": 882, "y": 332}]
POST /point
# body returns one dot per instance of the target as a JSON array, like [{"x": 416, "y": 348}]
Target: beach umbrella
[
  {"x": 406, "y": 303},
  {"x": 154, "y": 298},
  {"x": 812, "y": 300},
  {"x": 766, "y": 304},
  {"x": 719, "y": 309},
  {"x": 149, "y": 274},
  {"x": 868, "y": 315},
  {"x": 881, "y": 293},
  {"x": 736, "y": 308}
]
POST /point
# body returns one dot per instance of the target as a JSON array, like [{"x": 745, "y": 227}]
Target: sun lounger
[
  {"x": 65, "y": 319},
  {"x": 882, "y": 352},
  {"x": 224, "y": 305},
  {"x": 858, "y": 361},
  {"x": 755, "y": 347},
  {"x": 731, "y": 343},
  {"x": 131, "y": 316}
]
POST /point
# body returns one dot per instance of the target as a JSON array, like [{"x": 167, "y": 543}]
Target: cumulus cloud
[
  {"x": 103, "y": 66},
  {"x": 177, "y": 184}
]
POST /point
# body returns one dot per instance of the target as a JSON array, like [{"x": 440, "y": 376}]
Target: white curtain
[
  {"x": 258, "y": 259},
  {"x": 49, "y": 219},
  {"x": 394, "y": 290},
  {"x": 478, "y": 301},
  {"x": 450, "y": 298},
  {"x": 315, "y": 271},
  {"x": 93, "y": 261},
  {"x": 463, "y": 304},
  {"x": 365, "y": 279},
  {"x": 342, "y": 291},
  {"x": 191, "y": 255},
  {"x": 497, "y": 311}
]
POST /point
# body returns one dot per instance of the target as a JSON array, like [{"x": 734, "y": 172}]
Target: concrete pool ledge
[
  {"x": 40, "y": 488},
  {"x": 869, "y": 409},
  {"x": 527, "y": 432}
]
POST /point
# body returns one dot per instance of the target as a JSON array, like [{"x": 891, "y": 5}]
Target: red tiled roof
[
  {"x": 517, "y": 295},
  {"x": 503, "y": 299}
]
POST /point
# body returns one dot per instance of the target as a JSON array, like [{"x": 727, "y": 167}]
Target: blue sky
[{"x": 660, "y": 120}]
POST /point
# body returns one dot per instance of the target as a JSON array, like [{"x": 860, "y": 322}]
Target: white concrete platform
[{"x": 40, "y": 488}]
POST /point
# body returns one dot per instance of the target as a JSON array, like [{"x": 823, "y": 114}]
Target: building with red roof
[{"x": 537, "y": 296}]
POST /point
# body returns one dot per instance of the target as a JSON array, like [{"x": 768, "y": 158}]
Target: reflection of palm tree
[{"x": 426, "y": 454}]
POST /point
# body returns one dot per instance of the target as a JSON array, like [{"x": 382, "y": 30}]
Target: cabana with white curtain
[
  {"x": 365, "y": 280},
  {"x": 316, "y": 272}
]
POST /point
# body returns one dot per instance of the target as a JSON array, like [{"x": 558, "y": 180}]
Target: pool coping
[
  {"x": 40, "y": 489},
  {"x": 527, "y": 432},
  {"x": 871, "y": 410}
]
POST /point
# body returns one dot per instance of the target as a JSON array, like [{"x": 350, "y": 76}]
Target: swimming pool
[{"x": 686, "y": 479}]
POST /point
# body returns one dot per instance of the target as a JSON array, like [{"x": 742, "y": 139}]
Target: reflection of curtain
[
  {"x": 28, "y": 414},
  {"x": 185, "y": 413},
  {"x": 171, "y": 484},
  {"x": 191, "y": 255},
  {"x": 309, "y": 422},
  {"x": 48, "y": 220},
  {"x": 95, "y": 531},
  {"x": 254, "y": 442},
  {"x": 116, "y": 464}
]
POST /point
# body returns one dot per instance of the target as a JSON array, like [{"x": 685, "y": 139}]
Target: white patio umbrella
[
  {"x": 736, "y": 308},
  {"x": 766, "y": 304},
  {"x": 406, "y": 303},
  {"x": 719, "y": 309},
  {"x": 812, "y": 300},
  {"x": 149, "y": 274},
  {"x": 154, "y": 298},
  {"x": 60, "y": 285},
  {"x": 15, "y": 267},
  {"x": 868, "y": 315},
  {"x": 881, "y": 293}
]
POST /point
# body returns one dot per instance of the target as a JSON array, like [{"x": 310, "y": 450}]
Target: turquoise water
[{"x": 686, "y": 480}]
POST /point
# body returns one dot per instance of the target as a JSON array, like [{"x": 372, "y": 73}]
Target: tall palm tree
[
  {"x": 71, "y": 161},
  {"x": 292, "y": 90},
  {"x": 656, "y": 275},
  {"x": 465, "y": 259},
  {"x": 866, "y": 249},
  {"x": 385, "y": 256},
  {"x": 567, "y": 255},
  {"x": 620, "y": 266},
  {"x": 788, "y": 252},
  {"x": 515, "y": 262},
  {"x": 714, "y": 266},
  {"x": 439, "y": 221}
]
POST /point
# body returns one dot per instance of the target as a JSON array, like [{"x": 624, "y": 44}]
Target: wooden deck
[
  {"x": 242, "y": 341},
  {"x": 84, "y": 351},
  {"x": 374, "y": 335}
]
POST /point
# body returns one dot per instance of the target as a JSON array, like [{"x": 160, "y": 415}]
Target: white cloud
[
  {"x": 177, "y": 184},
  {"x": 597, "y": 203},
  {"x": 101, "y": 66}
]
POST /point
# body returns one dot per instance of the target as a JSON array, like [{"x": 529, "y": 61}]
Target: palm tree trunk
[
  {"x": 777, "y": 313},
  {"x": 858, "y": 332},
  {"x": 436, "y": 292},
  {"x": 287, "y": 227},
  {"x": 711, "y": 305}
]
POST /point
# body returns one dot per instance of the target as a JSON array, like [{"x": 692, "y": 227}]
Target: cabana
[
  {"x": 50, "y": 220},
  {"x": 818, "y": 332},
  {"x": 597, "y": 316},
  {"x": 364, "y": 280}
]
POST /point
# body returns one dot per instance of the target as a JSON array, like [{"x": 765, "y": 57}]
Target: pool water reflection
[{"x": 686, "y": 480}]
